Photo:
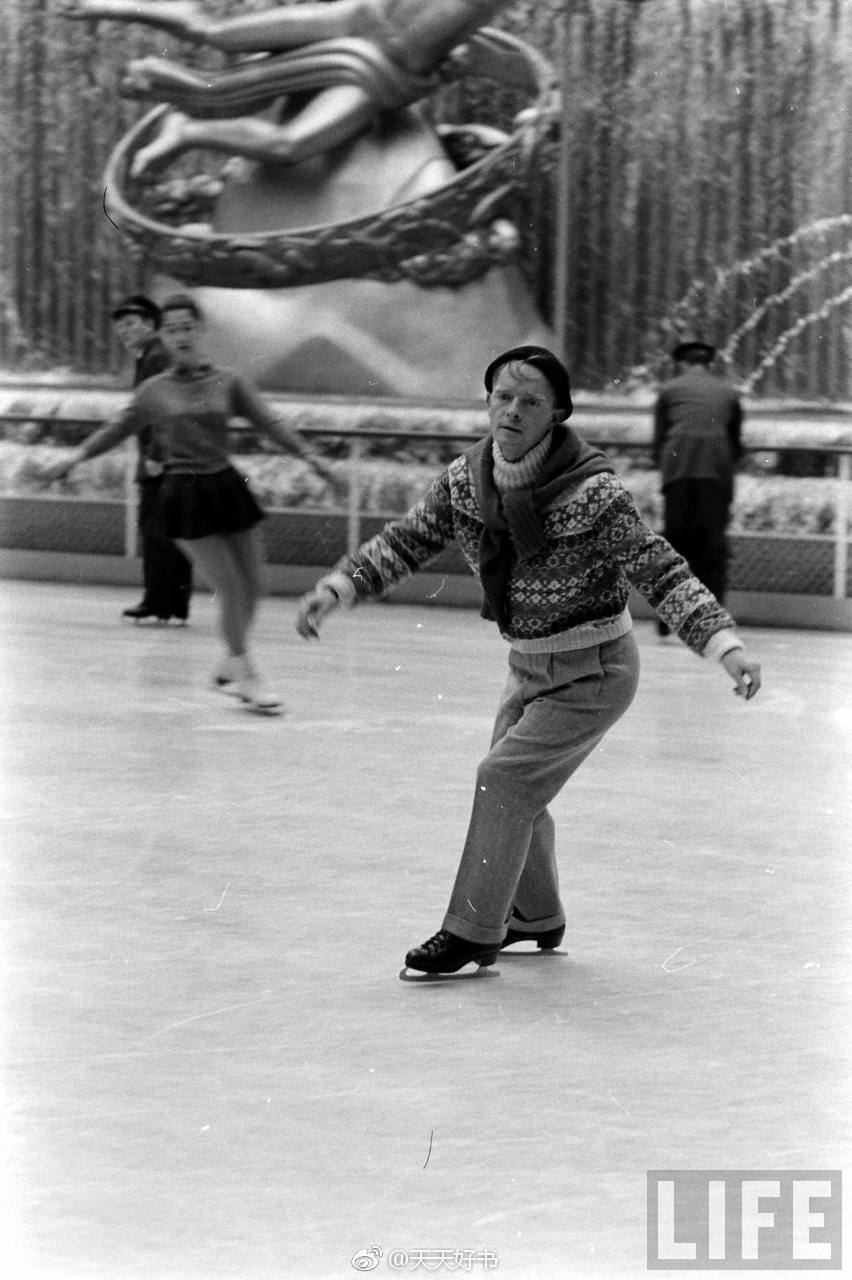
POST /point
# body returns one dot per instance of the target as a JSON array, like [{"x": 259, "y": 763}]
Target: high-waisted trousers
[{"x": 555, "y": 709}]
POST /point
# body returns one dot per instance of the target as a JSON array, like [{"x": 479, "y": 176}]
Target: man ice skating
[{"x": 556, "y": 542}]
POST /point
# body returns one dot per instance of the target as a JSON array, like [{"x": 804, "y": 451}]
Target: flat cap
[
  {"x": 695, "y": 352},
  {"x": 136, "y": 304}
]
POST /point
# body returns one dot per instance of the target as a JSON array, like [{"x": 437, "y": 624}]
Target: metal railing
[{"x": 357, "y": 440}]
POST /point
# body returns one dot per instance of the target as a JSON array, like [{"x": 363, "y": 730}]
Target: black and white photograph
[{"x": 425, "y": 638}]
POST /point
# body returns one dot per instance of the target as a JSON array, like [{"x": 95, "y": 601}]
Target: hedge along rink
[{"x": 790, "y": 505}]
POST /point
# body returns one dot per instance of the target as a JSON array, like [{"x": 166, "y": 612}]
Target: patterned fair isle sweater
[{"x": 571, "y": 594}]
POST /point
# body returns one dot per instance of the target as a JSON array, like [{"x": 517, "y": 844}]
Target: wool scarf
[{"x": 512, "y": 519}]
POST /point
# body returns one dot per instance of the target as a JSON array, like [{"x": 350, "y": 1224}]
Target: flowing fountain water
[{"x": 774, "y": 287}]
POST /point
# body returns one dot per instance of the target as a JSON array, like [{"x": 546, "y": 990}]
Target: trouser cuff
[
  {"x": 539, "y": 925},
  {"x": 474, "y": 932}
]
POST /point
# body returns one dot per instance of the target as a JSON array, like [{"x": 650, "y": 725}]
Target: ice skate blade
[
  {"x": 227, "y": 687},
  {"x": 230, "y": 689},
  {"x": 261, "y": 704},
  {"x": 464, "y": 974},
  {"x": 263, "y": 709},
  {"x": 527, "y": 953}
]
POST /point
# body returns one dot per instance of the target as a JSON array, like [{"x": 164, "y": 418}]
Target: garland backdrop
[{"x": 703, "y": 184}]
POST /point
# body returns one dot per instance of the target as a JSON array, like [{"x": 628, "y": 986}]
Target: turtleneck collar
[
  {"x": 513, "y": 528},
  {"x": 521, "y": 474}
]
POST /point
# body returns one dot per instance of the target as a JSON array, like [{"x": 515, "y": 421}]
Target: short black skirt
[{"x": 196, "y": 506}]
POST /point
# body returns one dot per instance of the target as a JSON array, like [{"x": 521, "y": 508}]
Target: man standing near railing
[
  {"x": 166, "y": 572},
  {"x": 697, "y": 444}
]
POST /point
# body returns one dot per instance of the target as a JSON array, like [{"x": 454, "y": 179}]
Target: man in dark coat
[
  {"x": 166, "y": 572},
  {"x": 697, "y": 444}
]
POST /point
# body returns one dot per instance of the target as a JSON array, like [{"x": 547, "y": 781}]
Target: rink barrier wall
[
  {"x": 775, "y": 579},
  {"x": 750, "y": 608}
]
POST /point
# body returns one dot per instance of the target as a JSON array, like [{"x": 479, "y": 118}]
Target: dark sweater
[
  {"x": 189, "y": 414},
  {"x": 153, "y": 360}
]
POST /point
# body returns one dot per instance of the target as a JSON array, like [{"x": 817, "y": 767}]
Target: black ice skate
[
  {"x": 546, "y": 941},
  {"x": 444, "y": 954}
]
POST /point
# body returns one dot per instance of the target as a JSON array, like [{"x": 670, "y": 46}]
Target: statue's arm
[{"x": 282, "y": 27}]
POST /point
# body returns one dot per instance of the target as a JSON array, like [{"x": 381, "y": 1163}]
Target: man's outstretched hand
[
  {"x": 745, "y": 673},
  {"x": 314, "y": 608}
]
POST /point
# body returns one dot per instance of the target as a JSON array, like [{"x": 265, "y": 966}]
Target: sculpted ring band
[{"x": 448, "y": 237}]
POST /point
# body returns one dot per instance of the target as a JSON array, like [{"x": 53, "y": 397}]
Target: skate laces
[{"x": 437, "y": 942}]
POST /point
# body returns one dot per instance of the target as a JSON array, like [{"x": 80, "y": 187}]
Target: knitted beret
[{"x": 546, "y": 363}]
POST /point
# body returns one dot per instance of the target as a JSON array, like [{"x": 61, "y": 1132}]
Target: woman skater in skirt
[{"x": 207, "y": 507}]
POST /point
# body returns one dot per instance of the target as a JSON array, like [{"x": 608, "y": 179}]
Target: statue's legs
[{"x": 333, "y": 116}]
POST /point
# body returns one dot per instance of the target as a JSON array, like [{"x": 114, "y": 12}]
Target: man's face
[
  {"x": 180, "y": 333},
  {"x": 521, "y": 409},
  {"x": 133, "y": 331}
]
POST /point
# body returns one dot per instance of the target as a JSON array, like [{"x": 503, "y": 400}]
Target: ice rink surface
[{"x": 210, "y": 1068}]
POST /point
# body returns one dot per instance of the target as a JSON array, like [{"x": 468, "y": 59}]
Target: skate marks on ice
[{"x": 214, "y": 1059}]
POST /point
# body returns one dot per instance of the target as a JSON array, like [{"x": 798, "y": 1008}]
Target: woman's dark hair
[{"x": 181, "y": 302}]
